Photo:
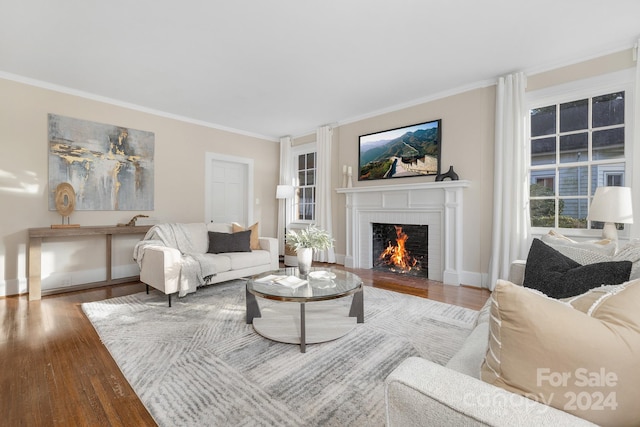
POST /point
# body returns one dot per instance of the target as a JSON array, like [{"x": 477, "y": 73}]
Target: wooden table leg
[
  {"x": 34, "y": 283},
  {"x": 109, "y": 274}
]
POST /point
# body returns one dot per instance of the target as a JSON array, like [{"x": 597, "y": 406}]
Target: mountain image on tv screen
[{"x": 408, "y": 151}]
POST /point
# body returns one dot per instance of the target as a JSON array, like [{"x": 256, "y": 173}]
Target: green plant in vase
[{"x": 305, "y": 241}]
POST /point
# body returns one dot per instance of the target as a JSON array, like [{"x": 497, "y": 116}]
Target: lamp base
[{"x": 610, "y": 231}]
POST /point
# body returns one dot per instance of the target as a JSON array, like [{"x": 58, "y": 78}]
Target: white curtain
[
  {"x": 324, "y": 189},
  {"x": 285, "y": 179},
  {"x": 635, "y": 228},
  {"x": 510, "y": 239}
]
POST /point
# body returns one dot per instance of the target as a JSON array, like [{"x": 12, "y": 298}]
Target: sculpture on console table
[
  {"x": 133, "y": 220},
  {"x": 65, "y": 199}
]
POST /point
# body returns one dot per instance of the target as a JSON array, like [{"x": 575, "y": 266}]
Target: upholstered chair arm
[
  {"x": 516, "y": 271},
  {"x": 161, "y": 268},
  {"x": 271, "y": 244},
  {"x": 419, "y": 393}
]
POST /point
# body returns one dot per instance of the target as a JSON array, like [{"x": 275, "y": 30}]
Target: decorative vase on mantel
[
  {"x": 305, "y": 259},
  {"x": 451, "y": 174}
]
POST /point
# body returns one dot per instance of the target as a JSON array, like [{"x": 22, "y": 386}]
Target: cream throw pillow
[
  {"x": 593, "y": 251},
  {"x": 255, "y": 239},
  {"x": 630, "y": 252},
  {"x": 587, "y": 252},
  {"x": 581, "y": 356}
]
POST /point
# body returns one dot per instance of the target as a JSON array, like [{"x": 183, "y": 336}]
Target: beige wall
[
  {"x": 180, "y": 149},
  {"x": 467, "y": 144},
  {"x": 597, "y": 66}
]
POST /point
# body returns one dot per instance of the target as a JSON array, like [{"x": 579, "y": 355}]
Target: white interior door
[{"x": 229, "y": 189}]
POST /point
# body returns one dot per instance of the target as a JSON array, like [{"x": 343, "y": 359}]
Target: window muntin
[{"x": 581, "y": 145}]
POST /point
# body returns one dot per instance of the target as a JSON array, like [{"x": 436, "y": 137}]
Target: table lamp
[{"x": 611, "y": 205}]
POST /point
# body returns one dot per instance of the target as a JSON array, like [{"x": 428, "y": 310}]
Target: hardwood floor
[
  {"x": 54, "y": 371},
  {"x": 463, "y": 296}
]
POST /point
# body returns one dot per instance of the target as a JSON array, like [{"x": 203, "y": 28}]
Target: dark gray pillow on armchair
[
  {"x": 229, "y": 242},
  {"x": 558, "y": 276}
]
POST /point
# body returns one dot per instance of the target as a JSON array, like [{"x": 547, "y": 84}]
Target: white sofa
[
  {"x": 420, "y": 393},
  {"x": 161, "y": 266}
]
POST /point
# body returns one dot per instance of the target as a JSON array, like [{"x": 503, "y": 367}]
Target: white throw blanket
[{"x": 195, "y": 269}]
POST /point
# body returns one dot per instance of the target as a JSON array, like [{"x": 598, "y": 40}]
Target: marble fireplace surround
[{"x": 436, "y": 204}]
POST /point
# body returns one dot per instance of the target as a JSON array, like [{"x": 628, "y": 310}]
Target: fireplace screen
[{"x": 401, "y": 248}]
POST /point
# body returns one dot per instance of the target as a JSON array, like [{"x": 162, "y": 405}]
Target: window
[
  {"x": 546, "y": 181},
  {"x": 305, "y": 198},
  {"x": 576, "y": 146},
  {"x": 614, "y": 179}
]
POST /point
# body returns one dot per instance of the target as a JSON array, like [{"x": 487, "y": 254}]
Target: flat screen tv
[{"x": 402, "y": 152}]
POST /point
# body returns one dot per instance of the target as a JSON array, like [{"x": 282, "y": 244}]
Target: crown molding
[{"x": 99, "y": 98}]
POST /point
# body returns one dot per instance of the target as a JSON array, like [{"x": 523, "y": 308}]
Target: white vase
[{"x": 305, "y": 258}]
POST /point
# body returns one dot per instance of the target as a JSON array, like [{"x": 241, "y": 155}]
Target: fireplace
[
  {"x": 401, "y": 249},
  {"x": 435, "y": 204}
]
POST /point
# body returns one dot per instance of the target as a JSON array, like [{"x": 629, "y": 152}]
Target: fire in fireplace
[{"x": 401, "y": 248}]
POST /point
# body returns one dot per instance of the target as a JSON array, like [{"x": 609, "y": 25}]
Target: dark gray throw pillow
[
  {"x": 229, "y": 242},
  {"x": 558, "y": 276}
]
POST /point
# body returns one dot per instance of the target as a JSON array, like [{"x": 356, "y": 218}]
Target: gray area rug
[{"x": 198, "y": 363}]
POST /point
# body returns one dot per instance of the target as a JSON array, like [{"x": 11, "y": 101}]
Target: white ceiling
[{"x": 284, "y": 67}]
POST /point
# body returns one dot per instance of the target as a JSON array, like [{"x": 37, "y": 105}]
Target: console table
[{"x": 36, "y": 235}]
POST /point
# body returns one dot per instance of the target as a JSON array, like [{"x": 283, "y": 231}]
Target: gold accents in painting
[{"x": 110, "y": 167}]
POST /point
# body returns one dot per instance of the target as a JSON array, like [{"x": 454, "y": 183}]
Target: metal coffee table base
[{"x": 304, "y": 323}]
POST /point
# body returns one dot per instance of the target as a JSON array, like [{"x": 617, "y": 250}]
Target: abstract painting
[{"x": 110, "y": 167}]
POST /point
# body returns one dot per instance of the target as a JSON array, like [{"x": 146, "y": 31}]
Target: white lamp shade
[
  {"x": 284, "y": 191},
  {"x": 611, "y": 204}
]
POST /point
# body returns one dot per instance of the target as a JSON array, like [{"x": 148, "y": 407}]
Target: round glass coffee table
[{"x": 304, "y": 325}]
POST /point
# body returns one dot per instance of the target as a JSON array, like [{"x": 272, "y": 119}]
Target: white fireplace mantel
[{"x": 436, "y": 204}]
